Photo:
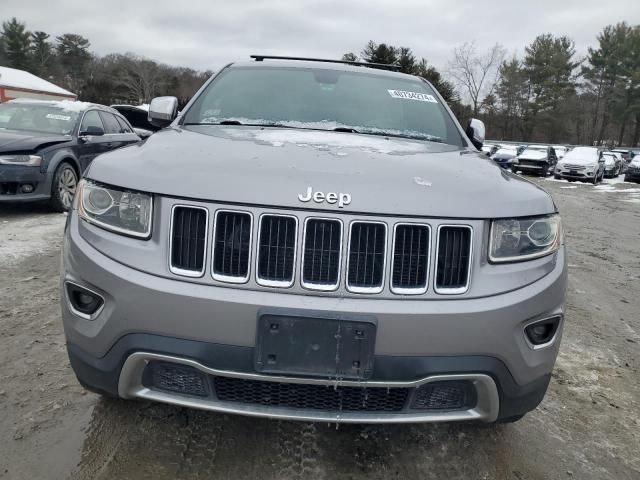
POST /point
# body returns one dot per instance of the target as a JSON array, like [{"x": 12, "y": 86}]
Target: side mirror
[
  {"x": 476, "y": 131},
  {"x": 92, "y": 131},
  {"x": 162, "y": 111}
]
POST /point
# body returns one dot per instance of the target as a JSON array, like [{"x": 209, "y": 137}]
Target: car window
[
  {"x": 124, "y": 126},
  {"x": 91, "y": 119},
  {"x": 552, "y": 151},
  {"x": 326, "y": 99},
  {"x": 110, "y": 123}
]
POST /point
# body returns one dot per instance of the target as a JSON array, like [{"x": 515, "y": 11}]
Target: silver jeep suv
[{"x": 314, "y": 240}]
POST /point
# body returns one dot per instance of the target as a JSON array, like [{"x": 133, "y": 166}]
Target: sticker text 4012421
[{"x": 420, "y": 97}]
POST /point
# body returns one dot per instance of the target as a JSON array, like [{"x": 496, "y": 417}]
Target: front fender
[{"x": 54, "y": 159}]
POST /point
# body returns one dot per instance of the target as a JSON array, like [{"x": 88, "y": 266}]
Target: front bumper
[
  {"x": 213, "y": 329},
  {"x": 632, "y": 176},
  {"x": 14, "y": 177},
  {"x": 535, "y": 168},
  {"x": 583, "y": 175}
]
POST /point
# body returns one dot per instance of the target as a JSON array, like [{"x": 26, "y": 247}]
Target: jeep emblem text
[{"x": 341, "y": 199}]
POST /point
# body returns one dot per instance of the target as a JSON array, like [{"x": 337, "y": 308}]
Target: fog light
[
  {"x": 26, "y": 188},
  {"x": 542, "y": 332},
  {"x": 84, "y": 302}
]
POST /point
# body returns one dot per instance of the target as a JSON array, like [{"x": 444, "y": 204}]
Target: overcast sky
[{"x": 208, "y": 34}]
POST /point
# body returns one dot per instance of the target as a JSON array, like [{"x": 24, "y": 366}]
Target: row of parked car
[
  {"x": 590, "y": 164},
  {"x": 61, "y": 138}
]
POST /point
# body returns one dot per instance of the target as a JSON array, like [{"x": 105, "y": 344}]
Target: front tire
[{"x": 63, "y": 187}]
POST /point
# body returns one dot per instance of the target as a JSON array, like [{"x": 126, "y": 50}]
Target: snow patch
[
  {"x": 325, "y": 140},
  {"x": 30, "y": 236},
  {"x": 13, "y": 78}
]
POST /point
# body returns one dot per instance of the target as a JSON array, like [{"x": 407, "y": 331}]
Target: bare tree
[{"x": 476, "y": 74}]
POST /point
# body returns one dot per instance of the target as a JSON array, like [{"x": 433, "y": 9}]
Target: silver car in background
[
  {"x": 582, "y": 163},
  {"x": 314, "y": 240}
]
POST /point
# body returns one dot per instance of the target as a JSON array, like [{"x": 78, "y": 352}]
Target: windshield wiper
[
  {"x": 345, "y": 129},
  {"x": 417, "y": 136},
  {"x": 237, "y": 122}
]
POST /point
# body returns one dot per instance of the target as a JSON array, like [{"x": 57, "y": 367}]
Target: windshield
[
  {"x": 32, "y": 117},
  {"x": 537, "y": 151},
  {"x": 582, "y": 153},
  {"x": 323, "y": 99}
]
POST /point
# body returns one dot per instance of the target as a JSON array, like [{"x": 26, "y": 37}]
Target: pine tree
[
  {"x": 16, "y": 41},
  {"x": 549, "y": 67},
  {"x": 74, "y": 56},
  {"x": 41, "y": 54}
]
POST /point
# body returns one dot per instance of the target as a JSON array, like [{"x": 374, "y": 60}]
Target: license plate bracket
[{"x": 315, "y": 346}]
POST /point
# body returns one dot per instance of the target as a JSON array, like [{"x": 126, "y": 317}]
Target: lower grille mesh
[
  {"x": 316, "y": 397},
  {"x": 446, "y": 395},
  {"x": 177, "y": 378}
]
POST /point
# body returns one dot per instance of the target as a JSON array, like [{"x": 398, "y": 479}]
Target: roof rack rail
[{"x": 381, "y": 66}]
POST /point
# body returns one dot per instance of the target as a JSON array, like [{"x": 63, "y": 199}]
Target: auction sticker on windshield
[
  {"x": 421, "y": 97},
  {"x": 54, "y": 116}
]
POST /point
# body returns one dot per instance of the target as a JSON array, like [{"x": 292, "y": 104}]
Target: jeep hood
[{"x": 272, "y": 166}]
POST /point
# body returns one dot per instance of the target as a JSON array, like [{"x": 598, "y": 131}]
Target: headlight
[
  {"x": 517, "y": 239},
  {"x": 118, "y": 210},
  {"x": 28, "y": 160}
]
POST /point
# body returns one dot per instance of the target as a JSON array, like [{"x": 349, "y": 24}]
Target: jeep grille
[
  {"x": 367, "y": 251},
  {"x": 373, "y": 255},
  {"x": 454, "y": 259},
  {"x": 276, "y": 250},
  {"x": 188, "y": 240},
  {"x": 410, "y": 258},
  {"x": 322, "y": 252},
  {"x": 232, "y": 246}
]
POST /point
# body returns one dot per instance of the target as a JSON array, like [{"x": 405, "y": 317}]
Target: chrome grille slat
[
  {"x": 232, "y": 246},
  {"x": 276, "y": 250},
  {"x": 322, "y": 252},
  {"x": 453, "y": 259},
  {"x": 410, "y": 265},
  {"x": 188, "y": 240},
  {"x": 366, "y": 257}
]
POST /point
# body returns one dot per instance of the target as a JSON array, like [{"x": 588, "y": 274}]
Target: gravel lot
[{"x": 588, "y": 426}]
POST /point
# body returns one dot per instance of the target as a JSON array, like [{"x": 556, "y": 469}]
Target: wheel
[
  {"x": 63, "y": 187},
  {"x": 557, "y": 177}
]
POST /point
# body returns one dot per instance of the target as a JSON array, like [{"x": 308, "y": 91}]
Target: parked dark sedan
[
  {"x": 504, "y": 156},
  {"x": 536, "y": 159},
  {"x": 45, "y": 146},
  {"x": 138, "y": 118}
]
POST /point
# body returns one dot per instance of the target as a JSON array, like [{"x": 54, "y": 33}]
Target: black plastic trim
[{"x": 101, "y": 374}]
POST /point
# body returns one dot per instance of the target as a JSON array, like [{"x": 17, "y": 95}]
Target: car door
[
  {"x": 90, "y": 142},
  {"x": 553, "y": 158},
  {"x": 129, "y": 135},
  {"x": 112, "y": 130}
]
